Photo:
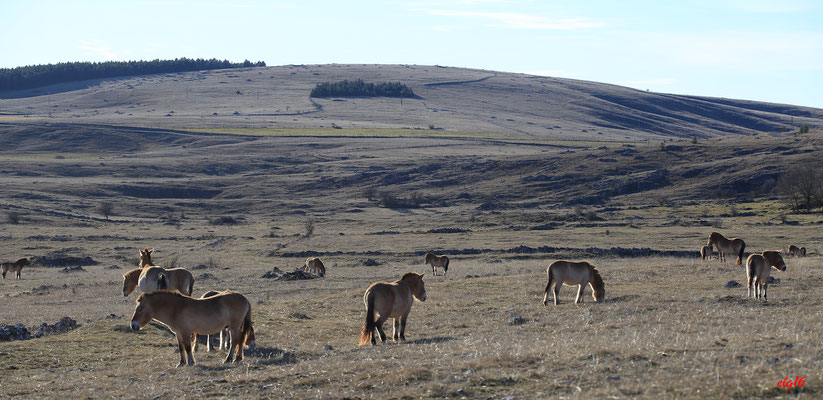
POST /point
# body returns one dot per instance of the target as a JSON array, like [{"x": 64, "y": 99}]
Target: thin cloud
[
  {"x": 773, "y": 7},
  {"x": 521, "y": 21},
  {"x": 98, "y": 49}
]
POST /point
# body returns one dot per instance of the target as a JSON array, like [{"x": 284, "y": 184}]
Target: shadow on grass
[
  {"x": 436, "y": 339},
  {"x": 621, "y": 299},
  {"x": 271, "y": 355}
]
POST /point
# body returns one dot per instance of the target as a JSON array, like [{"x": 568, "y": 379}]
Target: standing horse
[
  {"x": 797, "y": 251},
  {"x": 757, "y": 271},
  {"x": 438, "y": 262},
  {"x": 391, "y": 300},
  {"x": 315, "y": 266},
  {"x": 733, "y": 246},
  {"x": 706, "y": 253},
  {"x": 15, "y": 267},
  {"x": 185, "y": 316},
  {"x": 224, "y": 334},
  {"x": 573, "y": 273}
]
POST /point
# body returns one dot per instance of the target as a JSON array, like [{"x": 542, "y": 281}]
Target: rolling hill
[{"x": 450, "y": 99}]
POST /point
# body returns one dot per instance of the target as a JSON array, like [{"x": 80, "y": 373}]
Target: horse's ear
[
  {"x": 151, "y": 251},
  {"x": 421, "y": 275}
]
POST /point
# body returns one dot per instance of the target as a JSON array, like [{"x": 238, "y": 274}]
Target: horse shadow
[
  {"x": 271, "y": 355},
  {"x": 621, "y": 299},
  {"x": 436, "y": 339}
]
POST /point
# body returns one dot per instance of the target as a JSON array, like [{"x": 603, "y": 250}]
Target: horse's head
[
  {"x": 24, "y": 262},
  {"x": 145, "y": 256},
  {"x": 598, "y": 287},
  {"x": 415, "y": 283},
  {"x": 130, "y": 280},
  {"x": 712, "y": 238},
  {"x": 250, "y": 337},
  {"x": 775, "y": 259},
  {"x": 142, "y": 313}
]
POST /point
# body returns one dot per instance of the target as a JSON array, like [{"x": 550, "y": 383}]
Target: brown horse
[
  {"x": 185, "y": 316},
  {"x": 224, "y": 334},
  {"x": 797, "y": 251},
  {"x": 438, "y": 262},
  {"x": 733, "y": 246},
  {"x": 391, "y": 300},
  {"x": 757, "y": 271},
  {"x": 15, "y": 267},
  {"x": 706, "y": 252},
  {"x": 155, "y": 278},
  {"x": 314, "y": 266},
  {"x": 573, "y": 273}
]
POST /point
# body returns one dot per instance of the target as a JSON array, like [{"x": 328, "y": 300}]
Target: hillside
[{"x": 451, "y": 99}]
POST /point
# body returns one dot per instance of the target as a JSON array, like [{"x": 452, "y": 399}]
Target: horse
[
  {"x": 315, "y": 266},
  {"x": 145, "y": 257},
  {"x": 797, "y": 251},
  {"x": 154, "y": 278},
  {"x": 224, "y": 334},
  {"x": 438, "y": 262},
  {"x": 573, "y": 273},
  {"x": 185, "y": 315},
  {"x": 391, "y": 300},
  {"x": 15, "y": 267},
  {"x": 757, "y": 271},
  {"x": 733, "y": 245},
  {"x": 706, "y": 253}
]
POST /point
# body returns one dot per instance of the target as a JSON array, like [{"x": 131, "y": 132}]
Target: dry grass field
[{"x": 231, "y": 202}]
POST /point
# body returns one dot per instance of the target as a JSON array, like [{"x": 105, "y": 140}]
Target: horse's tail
[
  {"x": 740, "y": 253},
  {"x": 191, "y": 285},
  {"x": 550, "y": 280},
  {"x": 162, "y": 282},
  {"x": 245, "y": 328},
  {"x": 446, "y": 266},
  {"x": 366, "y": 335}
]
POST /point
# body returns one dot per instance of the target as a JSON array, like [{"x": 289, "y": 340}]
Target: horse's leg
[
  {"x": 396, "y": 329},
  {"x": 181, "y": 350},
  {"x": 749, "y": 282},
  {"x": 403, "y": 326},
  {"x": 379, "y": 325},
  {"x": 187, "y": 347},
  {"x": 234, "y": 332},
  {"x": 579, "y": 293},
  {"x": 194, "y": 341},
  {"x": 765, "y": 289},
  {"x": 556, "y": 291}
]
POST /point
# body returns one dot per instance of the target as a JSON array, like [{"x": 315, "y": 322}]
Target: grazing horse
[
  {"x": 15, "y": 267},
  {"x": 154, "y": 278},
  {"x": 573, "y": 273},
  {"x": 797, "y": 251},
  {"x": 314, "y": 266},
  {"x": 733, "y": 246},
  {"x": 391, "y": 300},
  {"x": 185, "y": 316},
  {"x": 757, "y": 271},
  {"x": 438, "y": 262},
  {"x": 706, "y": 253},
  {"x": 224, "y": 334}
]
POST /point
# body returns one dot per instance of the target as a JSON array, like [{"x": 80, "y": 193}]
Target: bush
[
  {"x": 13, "y": 217},
  {"x": 223, "y": 220},
  {"x": 358, "y": 88}
]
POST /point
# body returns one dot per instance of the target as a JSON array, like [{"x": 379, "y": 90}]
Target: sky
[{"x": 766, "y": 50}]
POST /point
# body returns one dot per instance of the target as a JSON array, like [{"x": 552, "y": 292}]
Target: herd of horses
[{"x": 166, "y": 295}]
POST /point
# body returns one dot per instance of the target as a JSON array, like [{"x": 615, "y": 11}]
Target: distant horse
[
  {"x": 15, "y": 267},
  {"x": 757, "y": 271},
  {"x": 391, "y": 300},
  {"x": 185, "y": 316},
  {"x": 797, "y": 251},
  {"x": 733, "y": 246},
  {"x": 314, "y": 266},
  {"x": 224, "y": 334},
  {"x": 706, "y": 253},
  {"x": 573, "y": 273},
  {"x": 438, "y": 262},
  {"x": 145, "y": 257},
  {"x": 154, "y": 278}
]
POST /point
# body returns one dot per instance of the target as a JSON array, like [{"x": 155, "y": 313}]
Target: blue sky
[{"x": 769, "y": 50}]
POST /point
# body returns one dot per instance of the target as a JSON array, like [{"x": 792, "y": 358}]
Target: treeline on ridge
[
  {"x": 358, "y": 88},
  {"x": 33, "y": 76}
]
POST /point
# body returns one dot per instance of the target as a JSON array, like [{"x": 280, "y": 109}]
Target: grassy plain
[{"x": 668, "y": 328}]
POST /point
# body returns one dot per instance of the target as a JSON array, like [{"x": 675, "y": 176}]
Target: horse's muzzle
[
  {"x": 135, "y": 326},
  {"x": 783, "y": 267},
  {"x": 425, "y": 295}
]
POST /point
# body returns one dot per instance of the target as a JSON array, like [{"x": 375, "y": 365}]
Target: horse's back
[{"x": 390, "y": 299}]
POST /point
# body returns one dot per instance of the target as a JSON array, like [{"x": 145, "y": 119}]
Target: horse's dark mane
[
  {"x": 133, "y": 272},
  {"x": 409, "y": 275},
  {"x": 597, "y": 280},
  {"x": 161, "y": 292}
]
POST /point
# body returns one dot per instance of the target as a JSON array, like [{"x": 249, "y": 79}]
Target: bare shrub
[
  {"x": 309, "y": 226},
  {"x": 801, "y": 187},
  {"x": 13, "y": 217},
  {"x": 223, "y": 220},
  {"x": 106, "y": 209}
]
